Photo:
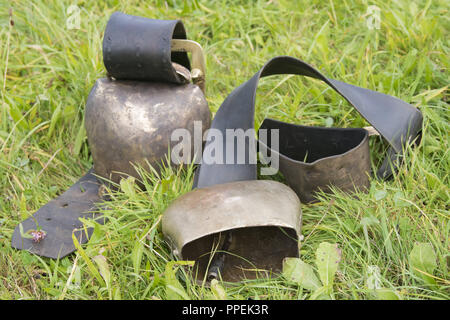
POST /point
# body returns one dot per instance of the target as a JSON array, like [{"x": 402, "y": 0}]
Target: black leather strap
[
  {"x": 59, "y": 218},
  {"x": 137, "y": 48},
  {"x": 397, "y": 122}
]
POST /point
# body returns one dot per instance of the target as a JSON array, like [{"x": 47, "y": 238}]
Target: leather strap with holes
[{"x": 59, "y": 218}]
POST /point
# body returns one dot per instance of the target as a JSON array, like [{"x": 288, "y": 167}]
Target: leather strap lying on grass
[
  {"x": 338, "y": 157},
  {"x": 59, "y": 218}
]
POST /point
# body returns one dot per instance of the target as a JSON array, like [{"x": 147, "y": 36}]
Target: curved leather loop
[
  {"x": 137, "y": 48},
  {"x": 397, "y": 121}
]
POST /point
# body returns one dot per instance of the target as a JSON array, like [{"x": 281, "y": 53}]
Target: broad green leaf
[
  {"x": 103, "y": 266},
  {"x": 328, "y": 256},
  {"x": 127, "y": 186},
  {"x": 218, "y": 291},
  {"x": 136, "y": 255},
  {"x": 387, "y": 294},
  {"x": 97, "y": 235},
  {"x": 297, "y": 271},
  {"x": 174, "y": 289},
  {"x": 176, "y": 293},
  {"x": 423, "y": 260},
  {"x": 17, "y": 116},
  {"x": 434, "y": 183},
  {"x": 320, "y": 293}
]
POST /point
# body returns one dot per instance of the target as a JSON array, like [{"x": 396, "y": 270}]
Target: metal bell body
[
  {"x": 263, "y": 217},
  {"x": 130, "y": 123},
  {"x": 314, "y": 159}
]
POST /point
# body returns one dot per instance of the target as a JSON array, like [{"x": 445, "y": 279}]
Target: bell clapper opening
[{"x": 218, "y": 260}]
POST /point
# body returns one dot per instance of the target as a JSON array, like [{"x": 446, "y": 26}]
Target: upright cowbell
[
  {"x": 129, "y": 118},
  {"x": 131, "y": 115}
]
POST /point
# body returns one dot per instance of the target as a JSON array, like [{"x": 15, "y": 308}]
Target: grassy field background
[{"x": 394, "y": 240}]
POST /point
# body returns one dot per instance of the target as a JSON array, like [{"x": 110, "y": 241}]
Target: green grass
[{"x": 47, "y": 70}]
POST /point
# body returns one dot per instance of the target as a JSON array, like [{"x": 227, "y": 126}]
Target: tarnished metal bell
[
  {"x": 130, "y": 122},
  {"x": 242, "y": 229},
  {"x": 131, "y": 115}
]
